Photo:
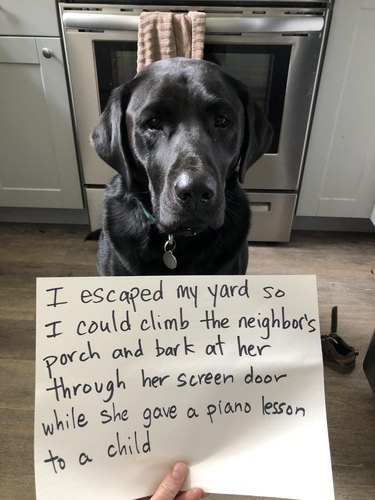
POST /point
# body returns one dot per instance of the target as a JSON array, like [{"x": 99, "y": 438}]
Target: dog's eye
[
  {"x": 221, "y": 121},
  {"x": 155, "y": 123}
]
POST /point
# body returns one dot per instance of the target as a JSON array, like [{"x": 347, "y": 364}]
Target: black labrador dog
[{"x": 176, "y": 134}]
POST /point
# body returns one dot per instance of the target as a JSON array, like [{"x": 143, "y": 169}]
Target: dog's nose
[{"x": 193, "y": 188}]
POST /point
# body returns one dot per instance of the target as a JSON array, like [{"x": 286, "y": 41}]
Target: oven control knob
[{"x": 47, "y": 52}]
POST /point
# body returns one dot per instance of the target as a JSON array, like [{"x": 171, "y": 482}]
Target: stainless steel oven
[{"x": 274, "y": 47}]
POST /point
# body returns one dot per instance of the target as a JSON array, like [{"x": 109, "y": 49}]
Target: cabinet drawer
[{"x": 28, "y": 18}]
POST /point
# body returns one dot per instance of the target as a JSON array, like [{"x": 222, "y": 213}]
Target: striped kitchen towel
[{"x": 163, "y": 34}]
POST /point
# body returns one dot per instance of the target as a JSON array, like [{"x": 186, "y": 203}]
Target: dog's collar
[
  {"x": 169, "y": 258},
  {"x": 149, "y": 216},
  {"x": 182, "y": 232}
]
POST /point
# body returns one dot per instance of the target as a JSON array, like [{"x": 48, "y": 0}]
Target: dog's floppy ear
[
  {"x": 258, "y": 133},
  {"x": 109, "y": 138}
]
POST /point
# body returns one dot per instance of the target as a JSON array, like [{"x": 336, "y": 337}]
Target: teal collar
[{"x": 151, "y": 218}]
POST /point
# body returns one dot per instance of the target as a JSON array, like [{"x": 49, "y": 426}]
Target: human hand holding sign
[{"x": 172, "y": 482}]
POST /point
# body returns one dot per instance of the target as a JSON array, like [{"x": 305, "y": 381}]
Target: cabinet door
[
  {"x": 28, "y": 18},
  {"x": 38, "y": 161},
  {"x": 339, "y": 177}
]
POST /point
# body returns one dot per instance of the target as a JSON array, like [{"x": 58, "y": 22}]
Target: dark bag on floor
[{"x": 369, "y": 363}]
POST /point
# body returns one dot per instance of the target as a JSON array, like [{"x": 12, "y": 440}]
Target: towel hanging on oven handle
[{"x": 214, "y": 25}]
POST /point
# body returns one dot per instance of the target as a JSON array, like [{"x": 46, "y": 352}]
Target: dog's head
[{"x": 179, "y": 129}]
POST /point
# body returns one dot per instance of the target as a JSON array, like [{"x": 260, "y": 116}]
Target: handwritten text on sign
[{"x": 223, "y": 372}]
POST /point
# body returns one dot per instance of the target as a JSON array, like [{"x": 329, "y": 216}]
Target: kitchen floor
[{"x": 345, "y": 268}]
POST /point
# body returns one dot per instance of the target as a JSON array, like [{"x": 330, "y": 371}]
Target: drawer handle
[{"x": 260, "y": 207}]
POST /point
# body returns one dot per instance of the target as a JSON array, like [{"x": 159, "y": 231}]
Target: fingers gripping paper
[{"x": 223, "y": 372}]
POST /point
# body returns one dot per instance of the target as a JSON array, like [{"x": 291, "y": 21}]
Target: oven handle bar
[{"x": 214, "y": 25}]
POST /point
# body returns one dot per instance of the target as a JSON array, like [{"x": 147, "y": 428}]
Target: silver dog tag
[{"x": 168, "y": 258}]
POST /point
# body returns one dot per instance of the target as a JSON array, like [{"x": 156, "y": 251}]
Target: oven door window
[
  {"x": 116, "y": 63},
  {"x": 262, "y": 68}
]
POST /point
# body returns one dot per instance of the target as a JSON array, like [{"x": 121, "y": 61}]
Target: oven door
[{"x": 278, "y": 67}]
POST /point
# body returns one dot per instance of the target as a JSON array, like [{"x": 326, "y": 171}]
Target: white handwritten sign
[{"x": 133, "y": 374}]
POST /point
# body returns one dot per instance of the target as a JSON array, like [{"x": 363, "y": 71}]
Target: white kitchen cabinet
[
  {"x": 28, "y": 18},
  {"x": 38, "y": 165},
  {"x": 339, "y": 175}
]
